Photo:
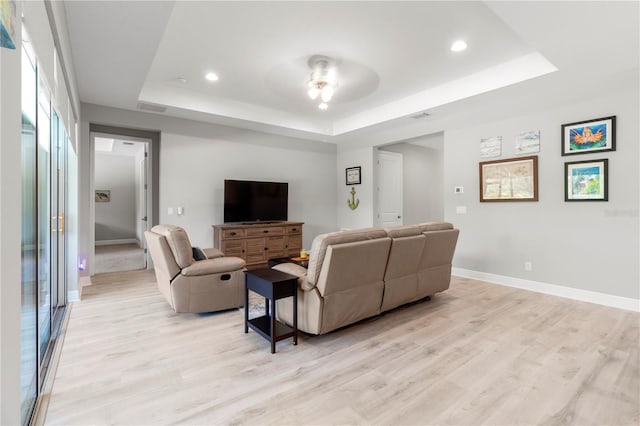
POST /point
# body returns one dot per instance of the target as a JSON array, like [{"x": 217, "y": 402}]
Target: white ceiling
[
  {"x": 393, "y": 58},
  {"x": 125, "y": 148}
]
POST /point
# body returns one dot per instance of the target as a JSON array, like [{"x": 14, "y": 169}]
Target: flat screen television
[{"x": 252, "y": 201}]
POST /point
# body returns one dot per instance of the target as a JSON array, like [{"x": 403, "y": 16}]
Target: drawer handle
[
  {"x": 265, "y": 231},
  {"x": 232, "y": 233},
  {"x": 225, "y": 277},
  {"x": 294, "y": 230},
  {"x": 266, "y": 248}
]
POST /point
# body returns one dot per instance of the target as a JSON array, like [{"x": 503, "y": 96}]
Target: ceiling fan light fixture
[
  {"x": 323, "y": 80},
  {"x": 327, "y": 93}
]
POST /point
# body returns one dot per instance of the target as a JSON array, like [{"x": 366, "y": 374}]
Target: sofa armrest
[
  {"x": 212, "y": 253},
  {"x": 298, "y": 271},
  {"x": 213, "y": 266}
]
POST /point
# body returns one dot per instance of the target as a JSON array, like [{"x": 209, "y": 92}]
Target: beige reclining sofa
[
  {"x": 190, "y": 285},
  {"x": 360, "y": 273}
]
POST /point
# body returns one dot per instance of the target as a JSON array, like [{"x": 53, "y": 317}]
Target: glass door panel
[
  {"x": 46, "y": 223},
  {"x": 29, "y": 246},
  {"x": 58, "y": 209}
]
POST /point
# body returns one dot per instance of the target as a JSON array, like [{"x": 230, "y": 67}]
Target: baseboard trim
[
  {"x": 114, "y": 242},
  {"x": 73, "y": 296},
  {"x": 611, "y": 300}
]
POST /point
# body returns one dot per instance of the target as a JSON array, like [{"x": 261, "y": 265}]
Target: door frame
[{"x": 152, "y": 139}]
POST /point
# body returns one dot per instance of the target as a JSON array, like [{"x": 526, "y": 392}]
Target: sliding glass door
[
  {"x": 44, "y": 202},
  {"x": 28, "y": 337}
]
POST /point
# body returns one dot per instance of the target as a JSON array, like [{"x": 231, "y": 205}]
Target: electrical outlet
[
  {"x": 461, "y": 209},
  {"x": 528, "y": 266}
]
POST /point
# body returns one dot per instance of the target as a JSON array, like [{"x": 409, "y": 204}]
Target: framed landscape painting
[
  {"x": 512, "y": 179},
  {"x": 586, "y": 180},
  {"x": 589, "y": 136}
]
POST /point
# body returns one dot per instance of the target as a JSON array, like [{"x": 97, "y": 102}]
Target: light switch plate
[
  {"x": 458, "y": 190},
  {"x": 170, "y": 210}
]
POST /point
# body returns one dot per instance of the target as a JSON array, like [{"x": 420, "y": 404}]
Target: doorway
[
  {"x": 115, "y": 228},
  {"x": 120, "y": 202}
]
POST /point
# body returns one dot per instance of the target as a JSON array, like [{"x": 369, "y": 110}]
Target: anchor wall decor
[{"x": 353, "y": 202}]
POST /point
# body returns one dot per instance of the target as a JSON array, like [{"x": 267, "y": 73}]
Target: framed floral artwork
[
  {"x": 589, "y": 136},
  {"x": 586, "y": 180}
]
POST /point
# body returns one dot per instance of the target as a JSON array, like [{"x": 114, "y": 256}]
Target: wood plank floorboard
[{"x": 478, "y": 353}]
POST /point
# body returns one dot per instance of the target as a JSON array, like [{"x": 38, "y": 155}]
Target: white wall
[
  {"x": 196, "y": 157},
  {"x": 423, "y": 198},
  {"x": 116, "y": 220},
  {"x": 10, "y": 225},
  {"x": 584, "y": 245},
  {"x": 193, "y": 170}
]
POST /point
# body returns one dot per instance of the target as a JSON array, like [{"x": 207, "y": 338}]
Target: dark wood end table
[{"x": 272, "y": 285}]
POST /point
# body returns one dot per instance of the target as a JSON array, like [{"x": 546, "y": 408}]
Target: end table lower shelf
[{"x": 262, "y": 325}]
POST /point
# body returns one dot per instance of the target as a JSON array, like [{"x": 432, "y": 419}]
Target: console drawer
[
  {"x": 296, "y": 229},
  {"x": 265, "y": 231},
  {"x": 233, "y": 233}
]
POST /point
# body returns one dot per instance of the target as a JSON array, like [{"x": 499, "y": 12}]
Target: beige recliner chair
[{"x": 189, "y": 285}]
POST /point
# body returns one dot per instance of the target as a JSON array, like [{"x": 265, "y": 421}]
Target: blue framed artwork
[
  {"x": 584, "y": 137},
  {"x": 7, "y": 20},
  {"x": 586, "y": 180}
]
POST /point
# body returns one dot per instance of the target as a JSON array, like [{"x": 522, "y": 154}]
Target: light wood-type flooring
[{"x": 476, "y": 354}]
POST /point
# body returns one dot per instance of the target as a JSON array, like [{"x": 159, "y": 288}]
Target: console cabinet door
[
  {"x": 235, "y": 248},
  {"x": 276, "y": 247},
  {"x": 293, "y": 245},
  {"x": 256, "y": 250}
]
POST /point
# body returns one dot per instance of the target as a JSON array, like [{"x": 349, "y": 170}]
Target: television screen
[{"x": 251, "y": 201}]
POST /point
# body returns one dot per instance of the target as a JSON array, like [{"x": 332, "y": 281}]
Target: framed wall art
[
  {"x": 586, "y": 180},
  {"x": 511, "y": 179},
  {"x": 595, "y": 135},
  {"x": 491, "y": 147},
  {"x": 528, "y": 142},
  {"x": 353, "y": 176},
  {"x": 103, "y": 195}
]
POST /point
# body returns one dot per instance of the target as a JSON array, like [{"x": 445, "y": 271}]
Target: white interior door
[
  {"x": 142, "y": 216},
  {"x": 389, "y": 188}
]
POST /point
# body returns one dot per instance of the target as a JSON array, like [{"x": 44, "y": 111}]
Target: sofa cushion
[
  {"x": 322, "y": 241},
  {"x": 213, "y": 266},
  {"x": 178, "y": 243},
  {"x": 403, "y": 231},
  {"x": 435, "y": 226}
]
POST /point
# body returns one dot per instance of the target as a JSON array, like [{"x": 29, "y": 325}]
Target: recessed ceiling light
[
  {"x": 181, "y": 80},
  {"x": 458, "y": 46},
  {"x": 211, "y": 76},
  {"x": 323, "y": 106}
]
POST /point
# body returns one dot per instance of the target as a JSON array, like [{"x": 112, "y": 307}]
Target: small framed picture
[
  {"x": 353, "y": 175},
  {"x": 586, "y": 180},
  {"x": 584, "y": 137},
  {"x": 103, "y": 195}
]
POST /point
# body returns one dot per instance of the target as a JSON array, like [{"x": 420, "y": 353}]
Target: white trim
[
  {"x": 619, "y": 302},
  {"x": 114, "y": 242},
  {"x": 73, "y": 296}
]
